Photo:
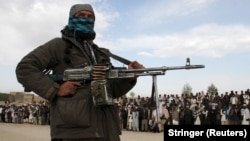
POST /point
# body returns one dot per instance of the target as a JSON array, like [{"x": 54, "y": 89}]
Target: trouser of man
[
  {"x": 233, "y": 122},
  {"x": 175, "y": 122},
  {"x": 35, "y": 120},
  {"x": 144, "y": 125},
  {"x": 224, "y": 122},
  {"x": 39, "y": 122},
  {"x": 162, "y": 123}
]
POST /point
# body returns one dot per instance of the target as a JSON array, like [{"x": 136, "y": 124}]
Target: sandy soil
[{"x": 28, "y": 132}]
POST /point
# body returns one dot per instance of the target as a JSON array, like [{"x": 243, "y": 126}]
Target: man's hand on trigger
[
  {"x": 135, "y": 65},
  {"x": 68, "y": 88}
]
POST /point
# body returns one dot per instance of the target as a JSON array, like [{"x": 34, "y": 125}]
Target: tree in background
[
  {"x": 132, "y": 95},
  {"x": 212, "y": 89},
  {"x": 187, "y": 90}
]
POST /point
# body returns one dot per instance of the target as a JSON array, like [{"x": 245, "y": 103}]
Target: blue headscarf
[{"x": 82, "y": 27}]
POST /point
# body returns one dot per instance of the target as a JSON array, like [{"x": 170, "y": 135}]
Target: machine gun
[
  {"x": 100, "y": 89},
  {"x": 79, "y": 74}
]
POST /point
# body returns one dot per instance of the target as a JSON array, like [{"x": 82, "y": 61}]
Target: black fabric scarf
[
  {"x": 77, "y": 35},
  {"x": 80, "y": 38}
]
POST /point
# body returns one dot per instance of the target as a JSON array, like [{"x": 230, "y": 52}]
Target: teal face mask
[{"x": 83, "y": 25}]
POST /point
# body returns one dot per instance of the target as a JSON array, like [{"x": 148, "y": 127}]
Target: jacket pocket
[{"x": 74, "y": 113}]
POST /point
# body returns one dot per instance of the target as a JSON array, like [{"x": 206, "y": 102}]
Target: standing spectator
[
  {"x": 181, "y": 116},
  {"x": 138, "y": 100},
  {"x": 135, "y": 119},
  {"x": 199, "y": 98},
  {"x": 212, "y": 113},
  {"x": 164, "y": 117},
  {"x": 193, "y": 101},
  {"x": 15, "y": 116},
  {"x": 35, "y": 115},
  {"x": 225, "y": 100},
  {"x": 246, "y": 115},
  {"x": 130, "y": 119},
  {"x": 47, "y": 113},
  {"x": 19, "y": 114},
  {"x": 224, "y": 116},
  {"x": 188, "y": 116},
  {"x": 1, "y": 110},
  {"x": 234, "y": 115},
  {"x": 3, "y": 113},
  {"x": 205, "y": 102},
  {"x": 124, "y": 116},
  {"x": 164, "y": 98},
  {"x": 9, "y": 115},
  {"x": 145, "y": 118},
  {"x": 41, "y": 117},
  {"x": 246, "y": 98},
  {"x": 204, "y": 117},
  {"x": 196, "y": 115},
  {"x": 241, "y": 98},
  {"x": 175, "y": 115},
  {"x": 44, "y": 114},
  {"x": 31, "y": 115},
  {"x": 234, "y": 99},
  {"x": 140, "y": 112}
]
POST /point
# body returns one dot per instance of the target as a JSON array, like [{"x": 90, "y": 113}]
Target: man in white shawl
[{"x": 246, "y": 115}]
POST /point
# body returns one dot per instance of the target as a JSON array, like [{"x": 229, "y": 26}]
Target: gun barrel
[{"x": 163, "y": 69}]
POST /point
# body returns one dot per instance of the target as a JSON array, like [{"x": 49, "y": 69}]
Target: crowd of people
[
  {"x": 141, "y": 115},
  {"x": 229, "y": 108},
  {"x": 36, "y": 113}
]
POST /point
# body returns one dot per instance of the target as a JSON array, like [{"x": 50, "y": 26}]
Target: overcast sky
[{"x": 214, "y": 33}]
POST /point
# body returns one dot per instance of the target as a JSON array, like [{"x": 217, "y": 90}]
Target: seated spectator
[{"x": 153, "y": 125}]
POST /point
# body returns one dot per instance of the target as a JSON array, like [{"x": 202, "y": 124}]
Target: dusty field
[{"x": 27, "y": 132}]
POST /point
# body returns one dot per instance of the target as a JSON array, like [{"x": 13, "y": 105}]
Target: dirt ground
[{"x": 28, "y": 132}]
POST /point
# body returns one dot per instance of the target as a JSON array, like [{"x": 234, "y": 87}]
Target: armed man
[{"x": 74, "y": 114}]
